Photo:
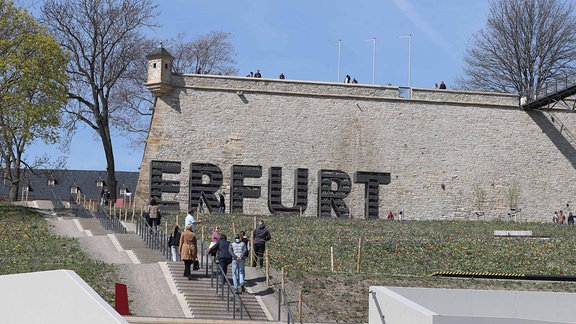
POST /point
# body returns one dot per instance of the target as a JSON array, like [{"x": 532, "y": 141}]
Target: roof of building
[
  {"x": 50, "y": 184},
  {"x": 158, "y": 52}
]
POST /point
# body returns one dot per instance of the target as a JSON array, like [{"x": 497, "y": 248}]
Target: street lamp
[
  {"x": 339, "y": 49},
  {"x": 409, "y": 36},
  {"x": 373, "y": 59}
]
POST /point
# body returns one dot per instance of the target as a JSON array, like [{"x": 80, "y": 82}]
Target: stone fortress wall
[{"x": 449, "y": 154}]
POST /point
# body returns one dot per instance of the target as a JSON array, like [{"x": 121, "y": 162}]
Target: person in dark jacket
[
  {"x": 261, "y": 236},
  {"x": 173, "y": 243},
  {"x": 222, "y": 205},
  {"x": 224, "y": 256}
]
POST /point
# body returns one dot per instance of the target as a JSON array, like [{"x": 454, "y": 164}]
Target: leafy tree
[
  {"x": 106, "y": 42},
  {"x": 211, "y": 53},
  {"x": 525, "y": 44},
  {"x": 32, "y": 89}
]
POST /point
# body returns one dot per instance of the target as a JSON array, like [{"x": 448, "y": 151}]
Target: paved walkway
[{"x": 153, "y": 296}]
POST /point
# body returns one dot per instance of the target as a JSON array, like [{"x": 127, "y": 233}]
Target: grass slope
[
  {"x": 28, "y": 245},
  {"x": 405, "y": 253}
]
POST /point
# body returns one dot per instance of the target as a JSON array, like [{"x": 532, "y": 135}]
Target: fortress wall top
[{"x": 341, "y": 90}]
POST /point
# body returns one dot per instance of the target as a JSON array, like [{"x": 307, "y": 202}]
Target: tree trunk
[
  {"x": 110, "y": 168},
  {"x": 14, "y": 178}
]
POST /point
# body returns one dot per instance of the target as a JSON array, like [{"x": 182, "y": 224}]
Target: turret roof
[{"x": 159, "y": 52}]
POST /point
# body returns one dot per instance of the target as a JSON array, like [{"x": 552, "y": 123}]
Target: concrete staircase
[
  {"x": 201, "y": 298},
  {"x": 143, "y": 253},
  {"x": 94, "y": 226},
  {"x": 205, "y": 303}
]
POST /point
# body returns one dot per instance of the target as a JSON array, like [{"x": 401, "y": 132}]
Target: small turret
[{"x": 159, "y": 71}]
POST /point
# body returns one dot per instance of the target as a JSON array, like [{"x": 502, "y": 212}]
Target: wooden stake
[
  {"x": 332, "y": 258},
  {"x": 233, "y": 229},
  {"x": 267, "y": 269},
  {"x": 300, "y": 306},
  {"x": 252, "y": 255},
  {"x": 359, "y": 254},
  {"x": 283, "y": 278}
]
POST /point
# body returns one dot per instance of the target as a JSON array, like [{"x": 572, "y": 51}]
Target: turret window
[{"x": 154, "y": 65}]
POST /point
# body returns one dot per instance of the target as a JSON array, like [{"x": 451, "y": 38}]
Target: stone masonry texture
[{"x": 450, "y": 154}]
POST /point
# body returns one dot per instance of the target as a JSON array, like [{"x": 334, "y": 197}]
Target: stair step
[{"x": 203, "y": 300}]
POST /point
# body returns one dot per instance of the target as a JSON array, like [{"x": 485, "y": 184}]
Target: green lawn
[
  {"x": 28, "y": 245},
  {"x": 406, "y": 253}
]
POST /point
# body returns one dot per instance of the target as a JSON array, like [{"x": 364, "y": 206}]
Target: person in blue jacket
[{"x": 224, "y": 257}]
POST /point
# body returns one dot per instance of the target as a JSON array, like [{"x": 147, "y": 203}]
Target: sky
[{"x": 304, "y": 39}]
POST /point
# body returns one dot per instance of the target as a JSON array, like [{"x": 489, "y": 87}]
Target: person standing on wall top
[
  {"x": 281, "y": 76},
  {"x": 237, "y": 250},
  {"x": 347, "y": 79},
  {"x": 222, "y": 206},
  {"x": 261, "y": 236},
  {"x": 354, "y": 81},
  {"x": 154, "y": 214},
  {"x": 257, "y": 74},
  {"x": 442, "y": 85},
  {"x": 190, "y": 219}
]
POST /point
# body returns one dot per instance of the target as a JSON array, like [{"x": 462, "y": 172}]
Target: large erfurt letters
[
  {"x": 275, "y": 191},
  {"x": 239, "y": 191},
  {"x": 158, "y": 185},
  {"x": 205, "y": 179},
  {"x": 372, "y": 181},
  {"x": 329, "y": 198},
  {"x": 205, "y": 191}
]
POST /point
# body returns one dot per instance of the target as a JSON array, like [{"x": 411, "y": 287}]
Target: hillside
[{"x": 407, "y": 253}]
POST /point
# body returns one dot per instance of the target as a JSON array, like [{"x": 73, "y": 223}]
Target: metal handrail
[
  {"x": 109, "y": 222},
  {"x": 283, "y": 300},
  {"x": 219, "y": 275},
  {"x": 155, "y": 240}
]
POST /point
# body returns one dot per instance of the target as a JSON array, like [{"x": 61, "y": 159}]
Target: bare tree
[
  {"x": 211, "y": 53},
  {"x": 525, "y": 44},
  {"x": 105, "y": 40}
]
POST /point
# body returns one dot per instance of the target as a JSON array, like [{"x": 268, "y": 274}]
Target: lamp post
[
  {"x": 373, "y": 59},
  {"x": 409, "y": 36},
  {"x": 339, "y": 50}
]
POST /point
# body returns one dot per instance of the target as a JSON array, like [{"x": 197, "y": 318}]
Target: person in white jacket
[{"x": 237, "y": 250}]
